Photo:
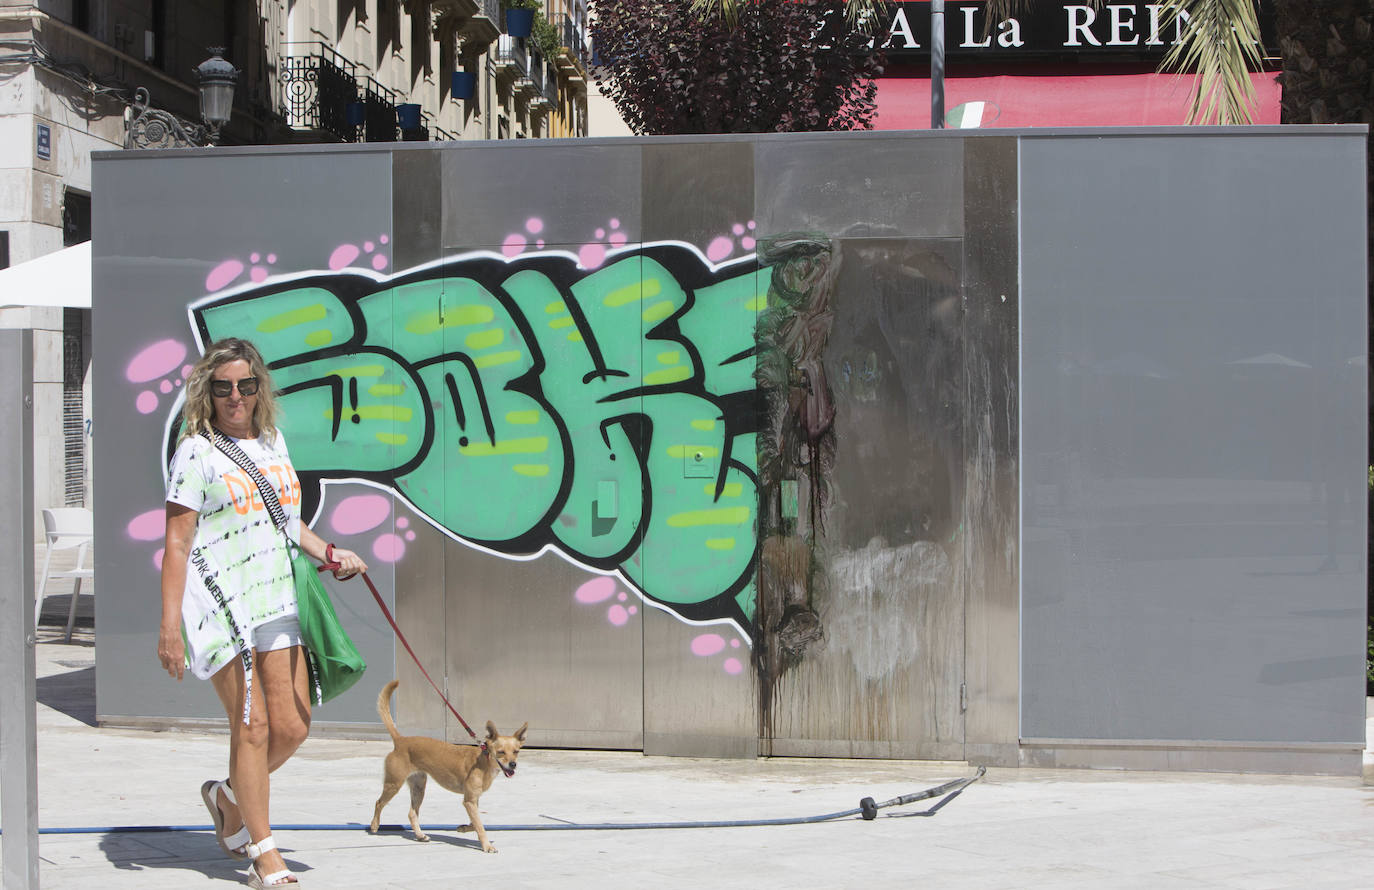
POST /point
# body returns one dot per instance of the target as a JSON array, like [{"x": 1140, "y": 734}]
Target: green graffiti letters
[{"x": 529, "y": 404}]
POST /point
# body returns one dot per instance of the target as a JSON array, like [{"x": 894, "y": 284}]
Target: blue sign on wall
[{"x": 44, "y": 142}]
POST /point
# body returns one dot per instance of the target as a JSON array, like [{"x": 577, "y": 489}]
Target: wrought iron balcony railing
[
  {"x": 575, "y": 42},
  {"x": 483, "y": 26},
  {"x": 379, "y": 116},
  {"x": 537, "y": 73},
  {"x": 551, "y": 84},
  {"x": 511, "y": 56},
  {"x": 317, "y": 85}
]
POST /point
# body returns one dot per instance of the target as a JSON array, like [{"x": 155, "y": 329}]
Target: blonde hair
[{"x": 198, "y": 412}]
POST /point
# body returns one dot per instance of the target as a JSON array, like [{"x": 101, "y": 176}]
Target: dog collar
[{"x": 486, "y": 749}]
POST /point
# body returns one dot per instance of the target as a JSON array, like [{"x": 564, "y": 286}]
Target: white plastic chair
[{"x": 65, "y": 528}]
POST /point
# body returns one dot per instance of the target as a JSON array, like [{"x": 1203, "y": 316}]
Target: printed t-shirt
[{"x": 238, "y": 575}]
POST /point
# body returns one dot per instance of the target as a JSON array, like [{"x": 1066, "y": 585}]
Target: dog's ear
[
  {"x": 491, "y": 730},
  {"x": 520, "y": 733}
]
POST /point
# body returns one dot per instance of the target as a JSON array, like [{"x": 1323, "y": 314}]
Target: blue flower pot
[
  {"x": 519, "y": 22},
  {"x": 463, "y": 85},
  {"x": 408, "y": 115}
]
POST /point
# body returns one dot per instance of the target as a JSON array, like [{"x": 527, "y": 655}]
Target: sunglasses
[{"x": 248, "y": 386}]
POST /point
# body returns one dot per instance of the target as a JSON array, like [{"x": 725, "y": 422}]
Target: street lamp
[
  {"x": 148, "y": 127},
  {"x": 217, "y": 78}
]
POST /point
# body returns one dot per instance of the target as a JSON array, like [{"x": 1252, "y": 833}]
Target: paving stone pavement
[{"x": 1024, "y": 829}]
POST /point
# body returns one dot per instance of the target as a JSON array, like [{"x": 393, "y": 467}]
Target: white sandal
[
  {"x": 234, "y": 845},
  {"x": 283, "y": 878}
]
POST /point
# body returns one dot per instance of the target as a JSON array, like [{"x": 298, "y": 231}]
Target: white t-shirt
[{"x": 238, "y": 575}]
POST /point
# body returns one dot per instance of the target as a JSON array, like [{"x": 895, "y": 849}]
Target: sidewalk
[{"x": 1024, "y": 829}]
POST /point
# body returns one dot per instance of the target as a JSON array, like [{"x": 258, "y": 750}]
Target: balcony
[
  {"x": 533, "y": 86},
  {"x": 420, "y": 133},
  {"x": 549, "y": 88},
  {"x": 512, "y": 59},
  {"x": 317, "y": 85},
  {"x": 572, "y": 56},
  {"x": 379, "y": 115},
  {"x": 482, "y": 26}
]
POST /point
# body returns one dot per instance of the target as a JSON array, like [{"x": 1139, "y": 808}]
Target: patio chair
[{"x": 65, "y": 528}]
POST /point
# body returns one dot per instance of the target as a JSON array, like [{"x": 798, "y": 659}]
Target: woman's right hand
[{"x": 171, "y": 651}]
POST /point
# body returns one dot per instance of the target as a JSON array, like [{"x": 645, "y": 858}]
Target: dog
[{"x": 463, "y": 769}]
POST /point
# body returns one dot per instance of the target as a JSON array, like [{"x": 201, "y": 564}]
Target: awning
[
  {"x": 62, "y": 278},
  {"x": 1056, "y": 100}
]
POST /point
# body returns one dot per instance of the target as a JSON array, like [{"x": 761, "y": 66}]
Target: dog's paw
[
  {"x": 488, "y": 848},
  {"x": 462, "y": 828},
  {"x": 372, "y": 829},
  {"x": 421, "y": 836}
]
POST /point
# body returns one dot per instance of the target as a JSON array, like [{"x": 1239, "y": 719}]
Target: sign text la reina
[{"x": 1083, "y": 26}]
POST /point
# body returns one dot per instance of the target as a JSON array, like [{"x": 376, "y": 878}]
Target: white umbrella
[{"x": 62, "y": 278}]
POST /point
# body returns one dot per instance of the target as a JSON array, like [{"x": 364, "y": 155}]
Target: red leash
[{"x": 331, "y": 566}]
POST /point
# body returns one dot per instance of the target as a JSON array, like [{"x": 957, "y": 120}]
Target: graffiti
[
  {"x": 156, "y": 360},
  {"x": 796, "y": 450},
  {"x": 601, "y": 589},
  {"x": 534, "y": 403}
]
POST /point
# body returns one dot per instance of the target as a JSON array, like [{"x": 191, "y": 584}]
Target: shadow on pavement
[
  {"x": 72, "y": 693},
  {"x": 194, "y": 851}
]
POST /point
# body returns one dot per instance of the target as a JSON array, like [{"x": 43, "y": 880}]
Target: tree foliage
[{"x": 782, "y": 65}]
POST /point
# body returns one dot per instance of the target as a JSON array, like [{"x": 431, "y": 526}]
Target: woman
[{"x": 228, "y": 598}]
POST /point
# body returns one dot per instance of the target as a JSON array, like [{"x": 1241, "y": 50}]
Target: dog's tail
[{"x": 384, "y": 708}]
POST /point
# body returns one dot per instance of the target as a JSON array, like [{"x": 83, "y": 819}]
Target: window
[
  {"x": 74, "y": 362},
  {"x": 76, "y": 218}
]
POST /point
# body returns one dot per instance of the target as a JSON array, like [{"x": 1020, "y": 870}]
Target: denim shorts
[{"x": 279, "y": 633}]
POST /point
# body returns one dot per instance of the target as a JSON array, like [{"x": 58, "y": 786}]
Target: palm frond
[
  {"x": 1221, "y": 45},
  {"x": 727, "y": 10}
]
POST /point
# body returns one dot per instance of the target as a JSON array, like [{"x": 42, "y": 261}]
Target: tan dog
[{"x": 463, "y": 769}]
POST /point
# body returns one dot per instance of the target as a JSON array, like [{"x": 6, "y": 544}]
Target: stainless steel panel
[
  {"x": 698, "y": 192},
  {"x": 887, "y": 561},
  {"x": 523, "y": 647},
  {"x": 416, "y": 207},
  {"x": 863, "y": 186},
  {"x": 18, "y": 671},
  {"x": 1194, "y": 411},
  {"x": 699, "y": 690},
  {"x": 421, "y": 610},
  {"x": 420, "y": 592},
  {"x": 491, "y": 192},
  {"x": 1303, "y": 759},
  {"x": 165, "y": 222},
  {"x": 991, "y": 422}
]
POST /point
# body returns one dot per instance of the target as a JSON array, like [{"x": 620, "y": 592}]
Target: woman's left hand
[{"x": 349, "y": 562}]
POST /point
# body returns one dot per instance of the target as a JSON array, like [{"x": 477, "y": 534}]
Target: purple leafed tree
[{"x": 784, "y": 65}]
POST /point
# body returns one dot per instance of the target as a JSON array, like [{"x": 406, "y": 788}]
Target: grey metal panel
[
  {"x": 492, "y": 192},
  {"x": 18, "y": 671},
  {"x": 991, "y": 423},
  {"x": 697, "y": 192},
  {"x": 420, "y": 593},
  {"x": 699, "y": 693},
  {"x": 1194, "y": 403},
  {"x": 164, "y": 222},
  {"x": 522, "y": 647},
  {"x": 910, "y": 187},
  {"x": 1303, "y": 759},
  {"x": 888, "y": 562},
  {"x": 416, "y": 207}
]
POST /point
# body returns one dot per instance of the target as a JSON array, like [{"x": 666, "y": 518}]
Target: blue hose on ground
[{"x": 867, "y": 808}]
